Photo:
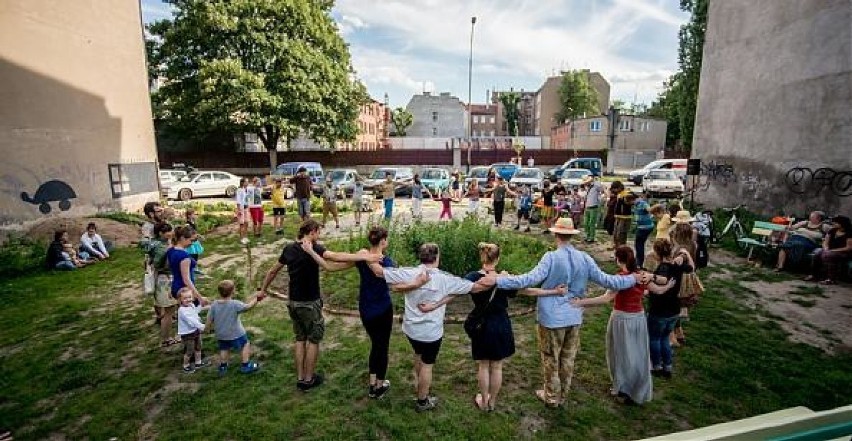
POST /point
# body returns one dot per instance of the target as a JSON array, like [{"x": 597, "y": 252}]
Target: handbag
[
  {"x": 149, "y": 281},
  {"x": 474, "y": 324}
]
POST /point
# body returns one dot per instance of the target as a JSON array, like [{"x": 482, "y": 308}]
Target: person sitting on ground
[
  {"x": 836, "y": 251},
  {"x": 189, "y": 330},
  {"x": 79, "y": 260},
  {"x": 92, "y": 243},
  {"x": 804, "y": 237},
  {"x": 224, "y": 317},
  {"x": 56, "y": 257}
]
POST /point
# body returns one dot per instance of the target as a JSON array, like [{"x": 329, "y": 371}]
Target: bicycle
[{"x": 734, "y": 226}]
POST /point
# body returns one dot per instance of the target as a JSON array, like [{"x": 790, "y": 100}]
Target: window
[
  {"x": 434, "y": 116},
  {"x": 624, "y": 125},
  {"x": 595, "y": 126},
  {"x": 492, "y": 133},
  {"x": 131, "y": 179},
  {"x": 220, "y": 177},
  {"x": 434, "y": 131},
  {"x": 491, "y": 120},
  {"x": 206, "y": 177}
]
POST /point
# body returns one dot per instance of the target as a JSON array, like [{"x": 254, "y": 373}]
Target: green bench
[{"x": 763, "y": 231}]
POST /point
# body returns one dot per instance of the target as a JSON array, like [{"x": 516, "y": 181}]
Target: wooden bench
[{"x": 763, "y": 231}]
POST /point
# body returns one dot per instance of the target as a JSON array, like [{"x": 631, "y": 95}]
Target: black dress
[{"x": 496, "y": 341}]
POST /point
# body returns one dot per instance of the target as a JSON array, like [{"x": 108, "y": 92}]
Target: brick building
[{"x": 483, "y": 120}]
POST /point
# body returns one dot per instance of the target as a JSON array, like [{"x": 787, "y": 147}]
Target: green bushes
[
  {"x": 21, "y": 255},
  {"x": 123, "y": 217}
]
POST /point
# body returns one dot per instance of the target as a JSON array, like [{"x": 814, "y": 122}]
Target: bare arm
[
  {"x": 347, "y": 257},
  {"x": 325, "y": 264},
  {"x": 421, "y": 279},
  {"x": 655, "y": 288},
  {"x": 270, "y": 276},
  {"x": 187, "y": 280},
  {"x": 607, "y": 297},
  {"x": 208, "y": 325},
  {"x": 538, "y": 292},
  {"x": 429, "y": 307}
]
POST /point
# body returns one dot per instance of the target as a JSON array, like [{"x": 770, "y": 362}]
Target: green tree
[
  {"x": 277, "y": 68},
  {"x": 690, "y": 52},
  {"x": 667, "y": 107},
  {"x": 402, "y": 120},
  {"x": 510, "y": 110},
  {"x": 576, "y": 96}
]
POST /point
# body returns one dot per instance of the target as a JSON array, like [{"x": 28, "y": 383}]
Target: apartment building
[
  {"x": 483, "y": 120},
  {"x": 372, "y": 127},
  {"x": 437, "y": 116},
  {"x": 546, "y": 104},
  {"x": 525, "y": 113},
  {"x": 632, "y": 133}
]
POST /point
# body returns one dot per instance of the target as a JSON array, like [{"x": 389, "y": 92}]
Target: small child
[
  {"x": 189, "y": 329},
  {"x": 224, "y": 316},
  {"x": 70, "y": 255},
  {"x": 524, "y": 206},
  {"x": 446, "y": 201},
  {"x": 576, "y": 207},
  {"x": 195, "y": 249}
]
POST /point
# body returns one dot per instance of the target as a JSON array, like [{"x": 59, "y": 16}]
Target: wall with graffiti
[{"x": 76, "y": 118}]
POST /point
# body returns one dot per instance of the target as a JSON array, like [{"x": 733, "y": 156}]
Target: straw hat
[
  {"x": 683, "y": 217},
  {"x": 564, "y": 225}
]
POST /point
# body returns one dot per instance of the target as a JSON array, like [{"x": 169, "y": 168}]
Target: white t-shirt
[
  {"x": 93, "y": 244},
  {"x": 188, "y": 320},
  {"x": 241, "y": 198},
  {"x": 429, "y": 326}
]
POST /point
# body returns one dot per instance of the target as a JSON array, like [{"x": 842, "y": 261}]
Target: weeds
[{"x": 21, "y": 255}]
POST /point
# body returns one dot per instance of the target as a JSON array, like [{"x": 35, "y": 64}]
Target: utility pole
[{"x": 469, "y": 93}]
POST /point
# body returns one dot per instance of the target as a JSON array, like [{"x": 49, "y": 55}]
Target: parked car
[
  {"x": 592, "y": 164},
  {"x": 343, "y": 178},
  {"x": 662, "y": 182},
  {"x": 531, "y": 176},
  {"x": 401, "y": 175},
  {"x": 480, "y": 174},
  {"x": 573, "y": 177},
  {"x": 505, "y": 169},
  {"x": 287, "y": 170},
  {"x": 678, "y": 165},
  {"x": 169, "y": 175},
  {"x": 435, "y": 178},
  {"x": 203, "y": 183}
]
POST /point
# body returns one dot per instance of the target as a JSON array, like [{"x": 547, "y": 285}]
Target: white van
[{"x": 678, "y": 165}]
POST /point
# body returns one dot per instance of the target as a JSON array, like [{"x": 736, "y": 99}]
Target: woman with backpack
[{"x": 164, "y": 304}]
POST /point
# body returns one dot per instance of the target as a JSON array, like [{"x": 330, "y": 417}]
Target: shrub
[
  {"x": 21, "y": 255},
  {"x": 123, "y": 217}
]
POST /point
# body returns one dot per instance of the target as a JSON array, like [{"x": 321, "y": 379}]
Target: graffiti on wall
[
  {"x": 803, "y": 180},
  {"x": 51, "y": 191},
  {"x": 715, "y": 172}
]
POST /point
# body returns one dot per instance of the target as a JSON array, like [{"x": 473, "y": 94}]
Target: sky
[{"x": 403, "y": 47}]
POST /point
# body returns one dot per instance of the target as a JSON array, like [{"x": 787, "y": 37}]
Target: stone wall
[{"x": 774, "y": 120}]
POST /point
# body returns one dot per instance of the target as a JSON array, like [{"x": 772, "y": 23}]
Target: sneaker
[
  {"x": 380, "y": 391},
  {"x": 249, "y": 367},
  {"x": 188, "y": 369},
  {"x": 223, "y": 369},
  {"x": 527, "y": 230},
  {"x": 428, "y": 404},
  {"x": 202, "y": 364},
  {"x": 315, "y": 382},
  {"x": 517, "y": 227},
  {"x": 244, "y": 241}
]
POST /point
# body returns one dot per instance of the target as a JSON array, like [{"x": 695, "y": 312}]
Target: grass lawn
[{"x": 80, "y": 358}]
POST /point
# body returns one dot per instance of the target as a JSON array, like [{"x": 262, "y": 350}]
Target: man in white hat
[
  {"x": 594, "y": 191},
  {"x": 558, "y": 320}
]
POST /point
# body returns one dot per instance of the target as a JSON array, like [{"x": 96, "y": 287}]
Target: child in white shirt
[{"x": 189, "y": 329}]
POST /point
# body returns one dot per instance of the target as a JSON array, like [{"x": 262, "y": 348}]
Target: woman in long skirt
[{"x": 627, "y": 335}]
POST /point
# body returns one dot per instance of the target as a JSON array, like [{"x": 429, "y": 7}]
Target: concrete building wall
[
  {"x": 634, "y": 134},
  {"x": 775, "y": 105},
  {"x": 76, "y": 132},
  {"x": 440, "y": 115},
  {"x": 547, "y": 104}
]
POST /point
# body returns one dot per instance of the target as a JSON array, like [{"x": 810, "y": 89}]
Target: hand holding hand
[
  {"x": 561, "y": 289},
  {"x": 576, "y": 302},
  {"x": 426, "y": 307}
]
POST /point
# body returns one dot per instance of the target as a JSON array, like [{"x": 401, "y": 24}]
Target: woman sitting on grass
[
  {"x": 627, "y": 333},
  {"x": 496, "y": 341}
]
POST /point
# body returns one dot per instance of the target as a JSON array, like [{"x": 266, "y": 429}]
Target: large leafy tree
[
  {"x": 273, "y": 67},
  {"x": 510, "y": 111},
  {"x": 576, "y": 96},
  {"x": 402, "y": 120}
]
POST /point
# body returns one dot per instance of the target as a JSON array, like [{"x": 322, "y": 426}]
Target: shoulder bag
[
  {"x": 691, "y": 287},
  {"x": 474, "y": 324}
]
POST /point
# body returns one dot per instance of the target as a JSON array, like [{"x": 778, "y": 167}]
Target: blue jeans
[
  {"x": 304, "y": 207},
  {"x": 641, "y": 237},
  {"x": 388, "y": 208},
  {"x": 65, "y": 265},
  {"x": 659, "y": 329}
]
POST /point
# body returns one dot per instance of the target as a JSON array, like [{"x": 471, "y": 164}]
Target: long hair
[
  {"x": 682, "y": 238},
  {"x": 625, "y": 255}
]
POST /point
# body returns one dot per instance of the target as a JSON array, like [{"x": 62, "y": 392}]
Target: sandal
[{"x": 169, "y": 342}]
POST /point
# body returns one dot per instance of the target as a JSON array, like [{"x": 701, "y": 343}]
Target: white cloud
[{"x": 349, "y": 24}]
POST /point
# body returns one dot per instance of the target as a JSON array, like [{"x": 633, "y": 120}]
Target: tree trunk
[{"x": 269, "y": 136}]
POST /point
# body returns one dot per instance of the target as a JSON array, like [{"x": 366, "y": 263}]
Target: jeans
[
  {"x": 304, "y": 207},
  {"x": 590, "y": 221},
  {"x": 66, "y": 265},
  {"x": 499, "y": 206},
  {"x": 388, "y": 208},
  {"x": 659, "y": 329},
  {"x": 641, "y": 237}
]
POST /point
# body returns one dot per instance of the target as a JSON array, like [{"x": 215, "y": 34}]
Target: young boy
[
  {"x": 224, "y": 316},
  {"x": 524, "y": 206},
  {"x": 278, "y": 210},
  {"x": 189, "y": 329}
]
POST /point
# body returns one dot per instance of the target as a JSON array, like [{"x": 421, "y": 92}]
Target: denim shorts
[{"x": 235, "y": 344}]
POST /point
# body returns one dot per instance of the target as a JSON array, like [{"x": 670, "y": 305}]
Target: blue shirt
[
  {"x": 571, "y": 267},
  {"x": 525, "y": 200},
  {"x": 417, "y": 191},
  {"x": 374, "y": 294},
  {"x": 175, "y": 256},
  {"x": 644, "y": 220}
]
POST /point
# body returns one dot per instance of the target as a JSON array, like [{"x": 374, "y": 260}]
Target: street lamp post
[{"x": 469, "y": 93}]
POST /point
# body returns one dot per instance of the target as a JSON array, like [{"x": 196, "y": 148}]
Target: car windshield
[
  {"x": 575, "y": 174},
  {"x": 662, "y": 175},
  {"x": 433, "y": 174},
  {"x": 501, "y": 168},
  {"x": 479, "y": 173},
  {"x": 655, "y": 164},
  {"x": 337, "y": 175},
  {"x": 522, "y": 173},
  {"x": 380, "y": 173},
  {"x": 189, "y": 178}
]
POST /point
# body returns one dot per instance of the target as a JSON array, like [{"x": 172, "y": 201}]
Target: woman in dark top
[
  {"x": 547, "y": 193},
  {"x": 664, "y": 309},
  {"x": 609, "y": 220},
  {"x": 181, "y": 264},
  {"x": 496, "y": 341},
  {"x": 836, "y": 251},
  {"x": 54, "y": 258}
]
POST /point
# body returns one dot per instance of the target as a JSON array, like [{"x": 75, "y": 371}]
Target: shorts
[
  {"x": 242, "y": 216},
  {"x": 256, "y": 214},
  {"x": 308, "y": 322},
  {"x": 279, "y": 211},
  {"x": 428, "y": 351},
  {"x": 235, "y": 344},
  {"x": 191, "y": 343},
  {"x": 524, "y": 213},
  {"x": 547, "y": 211}
]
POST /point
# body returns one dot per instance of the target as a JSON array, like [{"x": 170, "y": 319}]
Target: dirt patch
[
  {"x": 121, "y": 235},
  {"x": 531, "y": 425},
  {"x": 817, "y": 320},
  {"x": 156, "y": 401}
]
